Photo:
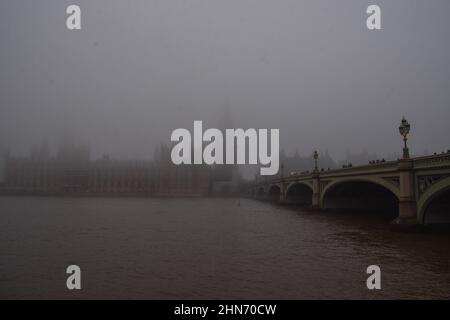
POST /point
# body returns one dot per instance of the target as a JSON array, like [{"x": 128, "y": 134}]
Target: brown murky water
[{"x": 209, "y": 249}]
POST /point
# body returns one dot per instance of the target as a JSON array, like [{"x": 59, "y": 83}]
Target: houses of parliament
[{"x": 72, "y": 172}]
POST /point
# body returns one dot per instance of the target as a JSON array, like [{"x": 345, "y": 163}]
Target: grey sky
[{"x": 139, "y": 69}]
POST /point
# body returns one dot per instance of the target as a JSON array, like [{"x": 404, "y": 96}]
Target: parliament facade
[{"x": 71, "y": 172}]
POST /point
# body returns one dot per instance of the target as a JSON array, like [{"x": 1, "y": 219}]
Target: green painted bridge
[{"x": 418, "y": 189}]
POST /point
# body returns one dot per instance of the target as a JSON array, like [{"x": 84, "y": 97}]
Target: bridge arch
[
  {"x": 299, "y": 192},
  {"x": 274, "y": 192},
  {"x": 438, "y": 191},
  {"x": 371, "y": 192}
]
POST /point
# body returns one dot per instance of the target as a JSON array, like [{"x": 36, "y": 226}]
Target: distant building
[
  {"x": 180, "y": 180},
  {"x": 72, "y": 172}
]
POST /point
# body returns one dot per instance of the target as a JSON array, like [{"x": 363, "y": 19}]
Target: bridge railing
[
  {"x": 372, "y": 166},
  {"x": 308, "y": 174},
  {"x": 432, "y": 161}
]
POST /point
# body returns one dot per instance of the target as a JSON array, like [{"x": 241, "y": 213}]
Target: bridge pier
[
  {"x": 316, "y": 190},
  {"x": 407, "y": 205},
  {"x": 282, "y": 199}
]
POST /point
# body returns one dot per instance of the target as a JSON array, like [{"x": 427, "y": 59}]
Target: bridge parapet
[{"x": 440, "y": 160}]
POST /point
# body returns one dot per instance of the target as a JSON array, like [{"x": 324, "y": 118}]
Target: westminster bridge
[{"x": 412, "y": 187}]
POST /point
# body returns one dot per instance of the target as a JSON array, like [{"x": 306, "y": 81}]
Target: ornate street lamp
[
  {"x": 316, "y": 156},
  {"x": 404, "y": 130}
]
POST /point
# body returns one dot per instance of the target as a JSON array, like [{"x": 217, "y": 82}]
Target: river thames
[{"x": 210, "y": 249}]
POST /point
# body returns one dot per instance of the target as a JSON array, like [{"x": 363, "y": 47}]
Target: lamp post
[
  {"x": 404, "y": 131},
  {"x": 316, "y": 183},
  {"x": 407, "y": 203},
  {"x": 316, "y": 156}
]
